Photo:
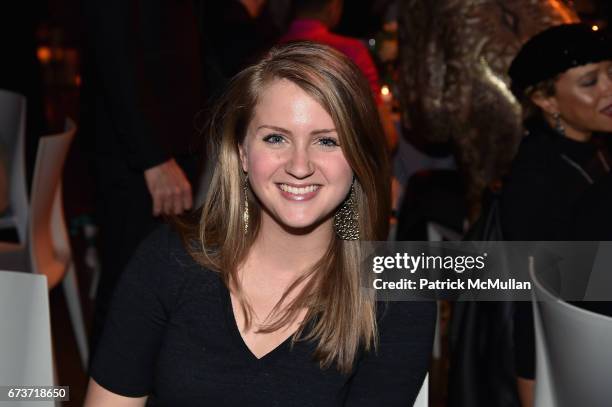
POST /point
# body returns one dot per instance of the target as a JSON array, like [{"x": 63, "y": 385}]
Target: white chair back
[
  {"x": 50, "y": 248},
  {"x": 422, "y": 399},
  {"x": 25, "y": 337},
  {"x": 439, "y": 233},
  {"x": 573, "y": 352},
  {"x": 12, "y": 136}
]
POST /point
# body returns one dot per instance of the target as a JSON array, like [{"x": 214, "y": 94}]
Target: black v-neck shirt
[{"x": 171, "y": 334}]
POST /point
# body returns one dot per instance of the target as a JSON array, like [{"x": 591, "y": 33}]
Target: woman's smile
[{"x": 299, "y": 192}]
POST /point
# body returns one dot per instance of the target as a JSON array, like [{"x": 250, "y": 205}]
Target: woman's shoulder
[
  {"x": 536, "y": 151},
  {"x": 536, "y": 167},
  {"x": 164, "y": 256}
]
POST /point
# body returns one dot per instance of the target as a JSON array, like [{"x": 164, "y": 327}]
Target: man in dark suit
[
  {"x": 235, "y": 34},
  {"x": 141, "y": 94}
]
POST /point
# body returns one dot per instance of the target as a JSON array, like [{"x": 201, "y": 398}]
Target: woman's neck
[
  {"x": 571, "y": 132},
  {"x": 578, "y": 135},
  {"x": 280, "y": 251}
]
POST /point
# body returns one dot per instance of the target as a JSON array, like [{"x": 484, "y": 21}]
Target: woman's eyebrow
[
  {"x": 589, "y": 73},
  {"x": 322, "y": 131},
  {"x": 275, "y": 128},
  {"x": 283, "y": 130}
]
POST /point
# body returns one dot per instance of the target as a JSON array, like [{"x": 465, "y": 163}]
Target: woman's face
[
  {"x": 583, "y": 97},
  {"x": 293, "y": 158}
]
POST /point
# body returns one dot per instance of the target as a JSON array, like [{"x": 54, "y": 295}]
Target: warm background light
[
  {"x": 43, "y": 54},
  {"x": 386, "y": 95}
]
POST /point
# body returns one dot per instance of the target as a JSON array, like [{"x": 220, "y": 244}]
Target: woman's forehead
[
  {"x": 283, "y": 101},
  {"x": 586, "y": 69}
]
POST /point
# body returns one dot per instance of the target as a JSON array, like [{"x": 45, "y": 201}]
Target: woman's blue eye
[
  {"x": 328, "y": 142},
  {"x": 273, "y": 139}
]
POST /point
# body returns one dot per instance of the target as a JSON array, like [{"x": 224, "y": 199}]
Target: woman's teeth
[{"x": 299, "y": 191}]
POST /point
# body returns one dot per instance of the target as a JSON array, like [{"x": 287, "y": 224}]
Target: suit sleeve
[{"x": 115, "y": 37}]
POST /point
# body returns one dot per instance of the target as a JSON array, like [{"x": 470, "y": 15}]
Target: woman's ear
[
  {"x": 243, "y": 157},
  {"x": 548, "y": 103}
]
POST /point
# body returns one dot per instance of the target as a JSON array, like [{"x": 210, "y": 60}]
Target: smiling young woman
[{"x": 259, "y": 300}]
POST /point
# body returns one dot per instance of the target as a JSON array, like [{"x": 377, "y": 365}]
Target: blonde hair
[{"x": 340, "y": 317}]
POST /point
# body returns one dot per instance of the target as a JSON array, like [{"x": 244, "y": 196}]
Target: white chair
[
  {"x": 49, "y": 246},
  {"x": 12, "y": 136},
  {"x": 25, "y": 337},
  {"x": 422, "y": 399},
  {"x": 573, "y": 352},
  {"x": 47, "y": 250},
  {"x": 439, "y": 233}
]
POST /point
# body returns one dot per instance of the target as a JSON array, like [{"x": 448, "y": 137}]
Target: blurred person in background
[
  {"x": 313, "y": 21},
  {"x": 563, "y": 78},
  {"x": 142, "y": 89},
  {"x": 235, "y": 33}
]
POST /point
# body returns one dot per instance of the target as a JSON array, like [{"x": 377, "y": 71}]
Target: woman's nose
[{"x": 299, "y": 163}]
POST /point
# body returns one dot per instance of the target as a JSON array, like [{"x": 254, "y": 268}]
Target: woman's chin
[
  {"x": 302, "y": 226},
  {"x": 297, "y": 223}
]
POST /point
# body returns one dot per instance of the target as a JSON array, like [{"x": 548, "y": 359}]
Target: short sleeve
[
  {"x": 394, "y": 374},
  {"x": 126, "y": 354}
]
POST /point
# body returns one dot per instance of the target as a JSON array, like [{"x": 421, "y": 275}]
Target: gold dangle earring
[
  {"x": 245, "y": 210},
  {"x": 346, "y": 219}
]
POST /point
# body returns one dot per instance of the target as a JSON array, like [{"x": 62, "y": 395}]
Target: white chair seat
[{"x": 25, "y": 337}]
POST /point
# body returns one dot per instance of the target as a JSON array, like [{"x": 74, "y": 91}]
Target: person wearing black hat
[{"x": 563, "y": 78}]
